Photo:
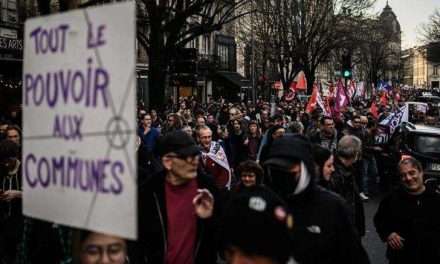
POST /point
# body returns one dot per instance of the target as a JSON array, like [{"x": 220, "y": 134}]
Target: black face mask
[{"x": 282, "y": 181}]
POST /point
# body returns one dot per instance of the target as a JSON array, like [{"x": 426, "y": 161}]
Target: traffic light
[
  {"x": 185, "y": 61},
  {"x": 346, "y": 66},
  {"x": 184, "y": 67}
]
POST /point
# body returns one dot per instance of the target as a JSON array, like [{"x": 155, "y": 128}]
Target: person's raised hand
[{"x": 203, "y": 203}]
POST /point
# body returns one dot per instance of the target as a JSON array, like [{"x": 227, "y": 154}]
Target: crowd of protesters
[{"x": 263, "y": 182}]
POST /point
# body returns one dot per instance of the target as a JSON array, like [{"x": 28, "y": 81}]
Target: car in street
[
  {"x": 430, "y": 99},
  {"x": 423, "y": 143}
]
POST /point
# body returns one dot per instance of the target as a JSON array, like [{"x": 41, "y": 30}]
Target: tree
[
  {"x": 164, "y": 26},
  {"x": 305, "y": 32},
  {"x": 374, "y": 49},
  {"x": 431, "y": 30}
]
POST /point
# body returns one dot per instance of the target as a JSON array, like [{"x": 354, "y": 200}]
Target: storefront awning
[{"x": 235, "y": 79}]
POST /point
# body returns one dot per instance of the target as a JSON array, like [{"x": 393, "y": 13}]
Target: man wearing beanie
[
  {"x": 176, "y": 208},
  {"x": 323, "y": 231}
]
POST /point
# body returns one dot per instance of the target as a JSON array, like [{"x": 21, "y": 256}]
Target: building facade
[
  {"x": 11, "y": 52},
  {"x": 391, "y": 27},
  {"x": 420, "y": 69}
]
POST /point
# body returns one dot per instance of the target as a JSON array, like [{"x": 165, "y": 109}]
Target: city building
[
  {"x": 11, "y": 52},
  {"x": 421, "y": 66},
  {"x": 391, "y": 27},
  {"x": 217, "y": 66}
]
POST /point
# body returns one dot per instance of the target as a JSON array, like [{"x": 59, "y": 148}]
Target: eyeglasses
[
  {"x": 187, "y": 158},
  {"x": 115, "y": 252}
]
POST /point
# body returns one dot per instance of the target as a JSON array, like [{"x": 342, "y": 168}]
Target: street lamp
[{"x": 254, "y": 92}]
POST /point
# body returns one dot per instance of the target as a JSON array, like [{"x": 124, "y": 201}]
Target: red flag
[
  {"x": 301, "y": 81},
  {"x": 293, "y": 86},
  {"x": 290, "y": 95},
  {"x": 373, "y": 109},
  {"x": 278, "y": 85},
  {"x": 384, "y": 99},
  {"x": 311, "y": 105}
]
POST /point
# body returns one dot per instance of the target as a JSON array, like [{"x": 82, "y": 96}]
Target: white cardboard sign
[{"x": 79, "y": 126}]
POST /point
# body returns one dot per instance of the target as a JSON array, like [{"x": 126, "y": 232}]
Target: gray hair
[
  {"x": 349, "y": 147},
  {"x": 296, "y": 127}
]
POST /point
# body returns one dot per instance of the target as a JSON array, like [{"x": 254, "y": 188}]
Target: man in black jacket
[
  {"x": 176, "y": 208},
  {"x": 327, "y": 135},
  {"x": 343, "y": 180},
  {"x": 323, "y": 231},
  {"x": 407, "y": 220}
]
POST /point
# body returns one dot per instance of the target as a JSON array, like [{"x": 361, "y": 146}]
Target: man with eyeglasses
[{"x": 176, "y": 207}]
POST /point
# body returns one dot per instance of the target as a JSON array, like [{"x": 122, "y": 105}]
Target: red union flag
[
  {"x": 311, "y": 105},
  {"x": 278, "y": 85},
  {"x": 293, "y": 86},
  {"x": 374, "y": 110},
  {"x": 301, "y": 81}
]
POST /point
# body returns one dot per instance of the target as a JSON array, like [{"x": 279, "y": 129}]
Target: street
[{"x": 372, "y": 243}]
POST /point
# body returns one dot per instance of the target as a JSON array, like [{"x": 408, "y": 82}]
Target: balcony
[{"x": 208, "y": 62}]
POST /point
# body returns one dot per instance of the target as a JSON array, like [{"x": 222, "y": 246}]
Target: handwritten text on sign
[{"x": 77, "y": 69}]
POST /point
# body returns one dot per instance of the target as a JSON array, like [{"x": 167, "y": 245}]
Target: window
[
  {"x": 8, "y": 11},
  {"x": 223, "y": 54},
  {"x": 206, "y": 44},
  {"x": 435, "y": 72}
]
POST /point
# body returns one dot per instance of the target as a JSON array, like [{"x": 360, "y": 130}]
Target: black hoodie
[{"x": 323, "y": 231}]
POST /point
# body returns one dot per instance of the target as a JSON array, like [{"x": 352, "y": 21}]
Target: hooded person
[
  {"x": 256, "y": 208},
  {"x": 11, "y": 218},
  {"x": 323, "y": 231}
]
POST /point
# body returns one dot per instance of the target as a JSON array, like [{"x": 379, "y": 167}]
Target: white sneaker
[{"x": 364, "y": 197}]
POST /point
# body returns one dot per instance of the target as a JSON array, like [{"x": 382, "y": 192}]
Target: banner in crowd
[
  {"x": 387, "y": 126},
  {"x": 341, "y": 99},
  {"x": 79, "y": 122},
  {"x": 360, "y": 90}
]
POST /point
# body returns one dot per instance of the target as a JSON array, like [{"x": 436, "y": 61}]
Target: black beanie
[{"x": 257, "y": 222}]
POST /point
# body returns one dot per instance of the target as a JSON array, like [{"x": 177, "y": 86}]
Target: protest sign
[
  {"x": 387, "y": 126},
  {"x": 79, "y": 122}
]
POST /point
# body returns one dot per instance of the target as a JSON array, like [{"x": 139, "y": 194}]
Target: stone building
[
  {"x": 421, "y": 66},
  {"x": 391, "y": 27}
]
